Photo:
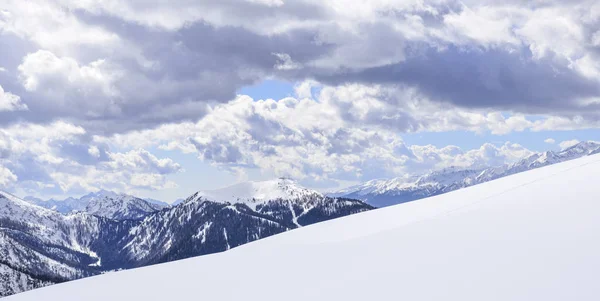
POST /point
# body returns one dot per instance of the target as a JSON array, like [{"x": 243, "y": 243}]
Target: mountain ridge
[
  {"x": 528, "y": 236},
  {"x": 386, "y": 192},
  {"x": 54, "y": 247},
  {"x": 103, "y": 203}
]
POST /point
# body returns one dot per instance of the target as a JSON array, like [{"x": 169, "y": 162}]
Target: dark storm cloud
[
  {"x": 80, "y": 153},
  {"x": 188, "y": 68},
  {"x": 168, "y": 75},
  {"x": 480, "y": 78}
]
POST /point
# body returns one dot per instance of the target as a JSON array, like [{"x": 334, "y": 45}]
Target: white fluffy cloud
[
  {"x": 43, "y": 72},
  {"x": 10, "y": 102},
  {"x": 346, "y": 133},
  {"x": 487, "y": 155},
  {"x": 141, "y": 160},
  {"x": 88, "y": 77},
  {"x": 568, "y": 143},
  {"x": 51, "y": 26},
  {"x": 58, "y": 159},
  {"x": 338, "y": 136},
  {"x": 550, "y": 141},
  {"x": 6, "y": 177},
  {"x": 126, "y": 61}
]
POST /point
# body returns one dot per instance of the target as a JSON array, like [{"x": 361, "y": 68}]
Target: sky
[{"x": 164, "y": 98}]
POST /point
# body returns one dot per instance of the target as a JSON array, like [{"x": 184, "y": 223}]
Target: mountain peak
[
  {"x": 583, "y": 147},
  {"x": 253, "y": 193},
  {"x": 102, "y": 193},
  {"x": 13, "y": 199},
  {"x": 103, "y": 203}
]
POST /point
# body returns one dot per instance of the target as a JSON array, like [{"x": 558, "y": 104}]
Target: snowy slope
[
  {"x": 529, "y": 236},
  {"x": 381, "y": 193}
]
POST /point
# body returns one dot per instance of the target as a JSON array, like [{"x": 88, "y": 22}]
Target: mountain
[
  {"x": 65, "y": 206},
  {"x": 528, "y": 236},
  {"x": 217, "y": 220},
  {"x": 119, "y": 206},
  {"x": 103, "y": 203},
  {"x": 177, "y": 202},
  {"x": 160, "y": 204},
  {"x": 381, "y": 193},
  {"x": 40, "y": 246}
]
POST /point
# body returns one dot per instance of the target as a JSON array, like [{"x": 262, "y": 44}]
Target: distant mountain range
[
  {"x": 104, "y": 203},
  {"x": 41, "y": 246},
  {"x": 386, "y": 192}
]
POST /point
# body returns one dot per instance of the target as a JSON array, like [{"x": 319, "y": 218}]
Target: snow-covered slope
[
  {"x": 529, "y": 236},
  {"x": 381, "y": 193}
]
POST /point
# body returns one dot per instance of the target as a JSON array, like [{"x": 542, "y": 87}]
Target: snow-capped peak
[
  {"x": 102, "y": 203},
  {"x": 254, "y": 193},
  {"x": 101, "y": 194},
  {"x": 118, "y": 206},
  {"x": 11, "y": 205},
  {"x": 581, "y": 148}
]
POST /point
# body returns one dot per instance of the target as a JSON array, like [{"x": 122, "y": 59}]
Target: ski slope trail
[{"x": 528, "y": 236}]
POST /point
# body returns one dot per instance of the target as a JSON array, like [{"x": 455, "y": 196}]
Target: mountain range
[
  {"x": 386, "y": 192},
  {"x": 528, "y": 236},
  {"x": 41, "y": 246},
  {"x": 104, "y": 203},
  {"x": 47, "y": 242}
]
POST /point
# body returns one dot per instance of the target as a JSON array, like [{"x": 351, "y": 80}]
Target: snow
[
  {"x": 255, "y": 193},
  {"x": 294, "y": 217},
  {"x": 528, "y": 236},
  {"x": 226, "y": 238}
]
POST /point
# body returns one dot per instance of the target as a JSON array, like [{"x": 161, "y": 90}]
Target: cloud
[
  {"x": 142, "y": 160},
  {"x": 550, "y": 141},
  {"x": 431, "y": 157},
  {"x": 152, "y": 181},
  {"x": 568, "y": 143},
  {"x": 60, "y": 158},
  {"x": 339, "y": 135},
  {"x": 496, "y": 79},
  {"x": 137, "y": 65},
  {"x": 285, "y": 62},
  {"x": 6, "y": 177},
  {"x": 43, "y": 72},
  {"x": 90, "y": 88},
  {"x": 10, "y": 102}
]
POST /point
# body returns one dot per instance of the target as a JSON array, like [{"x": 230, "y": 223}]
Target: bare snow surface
[{"x": 529, "y": 236}]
